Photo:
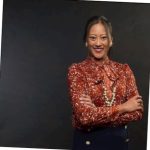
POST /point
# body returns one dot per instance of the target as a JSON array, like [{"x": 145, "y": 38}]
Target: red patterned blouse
[{"x": 88, "y": 77}]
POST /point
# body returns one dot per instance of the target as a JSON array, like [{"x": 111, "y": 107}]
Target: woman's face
[{"x": 98, "y": 41}]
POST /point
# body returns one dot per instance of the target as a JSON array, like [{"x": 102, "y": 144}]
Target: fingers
[
  {"x": 140, "y": 108},
  {"x": 135, "y": 103},
  {"x": 137, "y": 97},
  {"x": 86, "y": 100},
  {"x": 140, "y": 102},
  {"x": 87, "y": 104},
  {"x": 85, "y": 96}
]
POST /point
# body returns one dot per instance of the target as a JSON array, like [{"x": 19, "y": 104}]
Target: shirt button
[
  {"x": 89, "y": 130},
  {"x": 127, "y": 140},
  {"x": 125, "y": 126},
  {"x": 87, "y": 142}
]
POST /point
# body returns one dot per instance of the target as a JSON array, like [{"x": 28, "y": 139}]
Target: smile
[{"x": 98, "y": 49}]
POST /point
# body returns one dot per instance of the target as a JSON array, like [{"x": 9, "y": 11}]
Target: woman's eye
[
  {"x": 104, "y": 37},
  {"x": 92, "y": 38}
]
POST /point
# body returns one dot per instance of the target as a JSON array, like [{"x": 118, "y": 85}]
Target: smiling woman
[
  {"x": 99, "y": 38},
  {"x": 103, "y": 92}
]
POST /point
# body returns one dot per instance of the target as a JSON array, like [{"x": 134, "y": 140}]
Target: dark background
[{"x": 40, "y": 40}]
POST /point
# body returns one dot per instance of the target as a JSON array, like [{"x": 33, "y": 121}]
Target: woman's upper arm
[{"x": 131, "y": 90}]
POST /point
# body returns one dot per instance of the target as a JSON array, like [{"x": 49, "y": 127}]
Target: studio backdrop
[{"x": 40, "y": 40}]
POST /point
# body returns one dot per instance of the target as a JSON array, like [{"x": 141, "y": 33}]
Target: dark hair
[{"x": 97, "y": 19}]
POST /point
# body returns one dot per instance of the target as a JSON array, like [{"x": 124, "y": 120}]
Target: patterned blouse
[{"x": 88, "y": 77}]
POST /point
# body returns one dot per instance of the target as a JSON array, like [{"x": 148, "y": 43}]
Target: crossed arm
[{"x": 90, "y": 115}]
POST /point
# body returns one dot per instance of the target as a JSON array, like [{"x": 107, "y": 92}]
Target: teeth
[{"x": 98, "y": 49}]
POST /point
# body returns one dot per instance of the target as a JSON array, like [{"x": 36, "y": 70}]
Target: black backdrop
[{"x": 40, "y": 39}]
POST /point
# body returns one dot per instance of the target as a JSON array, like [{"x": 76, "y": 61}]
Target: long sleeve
[
  {"x": 83, "y": 114},
  {"x": 131, "y": 90}
]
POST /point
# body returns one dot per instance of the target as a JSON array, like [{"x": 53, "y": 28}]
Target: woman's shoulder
[
  {"x": 77, "y": 65},
  {"x": 120, "y": 65}
]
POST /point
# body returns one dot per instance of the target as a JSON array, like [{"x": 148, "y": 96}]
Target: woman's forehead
[{"x": 98, "y": 28}]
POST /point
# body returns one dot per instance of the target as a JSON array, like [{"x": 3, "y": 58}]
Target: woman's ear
[
  {"x": 111, "y": 42},
  {"x": 86, "y": 44}
]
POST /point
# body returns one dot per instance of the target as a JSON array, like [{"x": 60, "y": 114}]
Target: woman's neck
[{"x": 100, "y": 61}]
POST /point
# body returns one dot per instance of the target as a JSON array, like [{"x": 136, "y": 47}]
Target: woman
[{"x": 104, "y": 94}]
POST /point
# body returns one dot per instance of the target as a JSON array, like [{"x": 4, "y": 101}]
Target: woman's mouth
[{"x": 98, "y": 49}]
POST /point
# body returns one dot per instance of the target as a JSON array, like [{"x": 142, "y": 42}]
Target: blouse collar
[{"x": 103, "y": 65}]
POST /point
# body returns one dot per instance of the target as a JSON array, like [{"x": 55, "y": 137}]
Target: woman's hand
[
  {"x": 86, "y": 100},
  {"x": 133, "y": 104}
]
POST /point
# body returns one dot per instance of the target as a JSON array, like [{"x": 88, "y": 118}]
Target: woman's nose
[{"x": 98, "y": 42}]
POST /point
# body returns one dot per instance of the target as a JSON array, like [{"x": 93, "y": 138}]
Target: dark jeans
[{"x": 111, "y": 138}]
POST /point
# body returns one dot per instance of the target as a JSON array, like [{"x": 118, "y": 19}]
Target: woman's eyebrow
[{"x": 96, "y": 35}]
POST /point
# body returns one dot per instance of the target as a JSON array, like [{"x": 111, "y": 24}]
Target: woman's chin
[{"x": 98, "y": 57}]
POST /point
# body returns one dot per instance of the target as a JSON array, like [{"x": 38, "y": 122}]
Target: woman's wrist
[{"x": 121, "y": 108}]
